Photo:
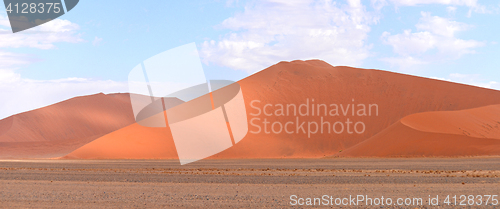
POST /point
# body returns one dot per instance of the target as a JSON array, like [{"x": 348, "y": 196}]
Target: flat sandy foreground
[{"x": 247, "y": 183}]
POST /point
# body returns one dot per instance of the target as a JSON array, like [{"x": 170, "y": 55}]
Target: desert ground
[{"x": 241, "y": 183}]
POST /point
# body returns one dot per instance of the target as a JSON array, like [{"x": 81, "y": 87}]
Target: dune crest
[
  {"x": 471, "y": 132},
  {"x": 480, "y": 122}
]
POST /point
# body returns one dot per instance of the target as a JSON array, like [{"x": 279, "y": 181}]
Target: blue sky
[{"x": 92, "y": 48}]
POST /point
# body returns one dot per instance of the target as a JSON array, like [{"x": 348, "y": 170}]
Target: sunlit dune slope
[{"x": 134, "y": 142}]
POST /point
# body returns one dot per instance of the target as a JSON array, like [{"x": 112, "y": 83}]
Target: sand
[
  {"x": 397, "y": 96},
  {"x": 471, "y": 132},
  {"x": 134, "y": 142},
  {"x": 237, "y": 183},
  {"x": 58, "y": 129}
]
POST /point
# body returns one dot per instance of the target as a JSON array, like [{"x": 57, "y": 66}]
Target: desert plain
[{"x": 242, "y": 183}]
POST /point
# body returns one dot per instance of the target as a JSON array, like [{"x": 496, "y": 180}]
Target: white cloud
[
  {"x": 20, "y": 94},
  {"x": 463, "y": 76},
  {"x": 493, "y": 85},
  {"x": 403, "y": 62},
  {"x": 440, "y": 26},
  {"x": 41, "y": 37},
  {"x": 8, "y": 76},
  {"x": 4, "y": 21},
  {"x": 410, "y": 43},
  {"x": 473, "y": 79},
  {"x": 97, "y": 41},
  {"x": 451, "y": 10},
  {"x": 472, "y": 4},
  {"x": 275, "y": 30},
  {"x": 231, "y": 3},
  {"x": 10, "y": 60},
  {"x": 469, "y": 3},
  {"x": 433, "y": 33},
  {"x": 378, "y": 4}
]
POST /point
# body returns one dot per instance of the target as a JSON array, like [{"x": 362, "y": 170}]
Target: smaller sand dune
[
  {"x": 58, "y": 129},
  {"x": 132, "y": 142},
  {"x": 75, "y": 118},
  {"x": 471, "y": 132}
]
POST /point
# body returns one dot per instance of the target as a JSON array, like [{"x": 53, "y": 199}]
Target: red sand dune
[
  {"x": 397, "y": 96},
  {"x": 58, "y": 129},
  {"x": 471, "y": 132}
]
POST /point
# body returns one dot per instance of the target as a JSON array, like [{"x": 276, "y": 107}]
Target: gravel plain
[{"x": 271, "y": 183}]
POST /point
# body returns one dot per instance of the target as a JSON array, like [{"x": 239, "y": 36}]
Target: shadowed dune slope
[
  {"x": 472, "y": 132},
  {"x": 397, "y": 96},
  {"x": 60, "y": 128}
]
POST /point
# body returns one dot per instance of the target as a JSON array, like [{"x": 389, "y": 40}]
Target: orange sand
[
  {"x": 135, "y": 142},
  {"x": 471, "y": 132},
  {"x": 397, "y": 96},
  {"x": 60, "y": 128}
]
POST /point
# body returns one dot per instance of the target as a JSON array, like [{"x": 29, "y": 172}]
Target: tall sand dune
[
  {"x": 300, "y": 82},
  {"x": 58, "y": 129},
  {"x": 471, "y": 132}
]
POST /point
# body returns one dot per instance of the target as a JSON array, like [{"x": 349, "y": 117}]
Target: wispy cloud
[
  {"x": 404, "y": 63},
  {"x": 275, "y": 30},
  {"x": 231, "y": 3},
  {"x": 97, "y": 41},
  {"x": 4, "y": 21},
  {"x": 473, "y": 5},
  {"x": 433, "y": 32},
  {"x": 20, "y": 94},
  {"x": 472, "y": 79},
  {"x": 469, "y": 3},
  {"x": 9, "y": 60},
  {"x": 43, "y": 36}
]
